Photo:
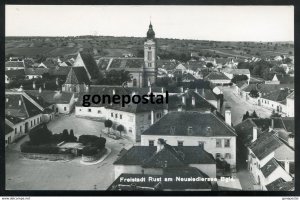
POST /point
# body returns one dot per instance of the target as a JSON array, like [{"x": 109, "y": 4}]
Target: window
[
  {"x": 228, "y": 155},
  {"x": 38, "y": 120},
  {"x": 20, "y": 129},
  {"x": 190, "y": 130},
  {"x": 89, "y": 110},
  {"x": 227, "y": 143},
  {"x": 99, "y": 111},
  {"x": 15, "y": 130},
  {"x": 158, "y": 115},
  {"x": 172, "y": 130},
  {"x": 151, "y": 142},
  {"x": 30, "y": 123},
  {"x": 149, "y": 55},
  {"x": 116, "y": 115},
  {"x": 65, "y": 108},
  {"x": 180, "y": 143},
  {"x": 149, "y": 64},
  {"x": 218, "y": 143},
  {"x": 112, "y": 114},
  {"x": 130, "y": 130},
  {"x": 201, "y": 144},
  {"x": 6, "y": 141},
  {"x": 120, "y": 116},
  {"x": 79, "y": 109}
]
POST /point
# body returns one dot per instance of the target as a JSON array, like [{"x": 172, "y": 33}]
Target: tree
[
  {"x": 40, "y": 135},
  {"x": 238, "y": 78},
  {"x": 65, "y": 135},
  {"x": 120, "y": 128},
  {"x": 254, "y": 115},
  {"x": 108, "y": 124},
  {"x": 246, "y": 116},
  {"x": 275, "y": 114},
  {"x": 209, "y": 65},
  {"x": 254, "y": 93}
]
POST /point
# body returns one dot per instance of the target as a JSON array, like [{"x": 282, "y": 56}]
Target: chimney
[
  {"x": 162, "y": 90},
  {"x": 152, "y": 117},
  {"x": 254, "y": 134},
  {"x": 21, "y": 88},
  {"x": 228, "y": 116},
  {"x": 150, "y": 89},
  {"x": 57, "y": 82},
  {"x": 196, "y": 90},
  {"x": 33, "y": 85},
  {"x": 20, "y": 102},
  {"x": 160, "y": 144},
  {"x": 183, "y": 100},
  {"x": 287, "y": 166},
  {"x": 133, "y": 93},
  {"x": 202, "y": 92},
  {"x": 291, "y": 140},
  {"x": 179, "y": 108},
  {"x": 40, "y": 90},
  {"x": 193, "y": 101},
  {"x": 113, "y": 91},
  {"x": 44, "y": 85},
  {"x": 181, "y": 89}
]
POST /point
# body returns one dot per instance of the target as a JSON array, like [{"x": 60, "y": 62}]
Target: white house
[
  {"x": 196, "y": 129},
  {"x": 290, "y": 105}
]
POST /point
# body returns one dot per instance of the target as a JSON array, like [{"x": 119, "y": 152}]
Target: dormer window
[
  {"x": 172, "y": 130},
  {"x": 190, "y": 130}
]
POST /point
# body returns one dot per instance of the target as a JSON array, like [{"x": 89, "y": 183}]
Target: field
[{"x": 116, "y": 46}]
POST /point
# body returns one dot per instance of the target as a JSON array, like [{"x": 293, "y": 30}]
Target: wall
[
  {"x": 290, "y": 107},
  {"x": 53, "y": 157},
  {"x": 273, "y": 105},
  {"x": 209, "y": 144},
  {"x": 90, "y": 111},
  {"x": 135, "y": 169}
]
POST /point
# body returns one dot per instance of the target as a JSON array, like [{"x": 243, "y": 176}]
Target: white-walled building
[
  {"x": 196, "y": 129},
  {"x": 230, "y": 73},
  {"x": 290, "y": 105}
]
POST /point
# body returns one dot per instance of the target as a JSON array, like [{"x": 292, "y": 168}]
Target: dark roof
[
  {"x": 278, "y": 95},
  {"x": 148, "y": 157},
  {"x": 125, "y": 63},
  {"x": 236, "y": 71},
  {"x": 14, "y": 64},
  {"x": 52, "y": 97},
  {"x": 77, "y": 75},
  {"x": 202, "y": 124},
  {"x": 216, "y": 76},
  {"x": 269, "y": 167},
  {"x": 281, "y": 185},
  {"x": 15, "y": 73},
  {"x": 265, "y": 144},
  {"x": 90, "y": 64},
  {"x": 8, "y": 129},
  {"x": 36, "y": 71},
  {"x": 12, "y": 119},
  {"x": 19, "y": 106},
  {"x": 59, "y": 71},
  {"x": 186, "y": 172},
  {"x": 103, "y": 63},
  {"x": 267, "y": 88}
]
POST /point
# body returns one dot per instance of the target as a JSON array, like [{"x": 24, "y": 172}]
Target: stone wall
[{"x": 52, "y": 157}]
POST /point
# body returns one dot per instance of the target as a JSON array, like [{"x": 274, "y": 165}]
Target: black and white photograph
[{"x": 149, "y": 98}]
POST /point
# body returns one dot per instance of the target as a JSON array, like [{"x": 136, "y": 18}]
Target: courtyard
[{"x": 26, "y": 174}]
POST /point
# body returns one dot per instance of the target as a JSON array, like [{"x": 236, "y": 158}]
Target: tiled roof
[
  {"x": 90, "y": 64},
  {"x": 59, "y": 71},
  {"x": 8, "y": 129},
  {"x": 169, "y": 156},
  {"x": 236, "y": 71},
  {"x": 125, "y": 63},
  {"x": 281, "y": 185},
  {"x": 103, "y": 63},
  {"x": 14, "y": 64},
  {"x": 269, "y": 167},
  {"x": 202, "y": 124},
  {"x": 15, "y": 73},
  {"x": 36, "y": 71},
  {"x": 77, "y": 75},
  {"x": 12, "y": 119},
  {"x": 278, "y": 95},
  {"x": 52, "y": 97},
  {"x": 267, "y": 88},
  {"x": 217, "y": 76},
  {"x": 265, "y": 144}
]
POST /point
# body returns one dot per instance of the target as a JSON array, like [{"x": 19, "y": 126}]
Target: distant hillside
[{"x": 116, "y": 46}]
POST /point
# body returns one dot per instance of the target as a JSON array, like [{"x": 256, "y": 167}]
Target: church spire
[{"x": 150, "y": 32}]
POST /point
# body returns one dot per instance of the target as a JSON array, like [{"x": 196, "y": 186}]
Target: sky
[{"x": 219, "y": 23}]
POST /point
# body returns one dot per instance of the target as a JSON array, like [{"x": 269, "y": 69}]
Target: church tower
[{"x": 150, "y": 70}]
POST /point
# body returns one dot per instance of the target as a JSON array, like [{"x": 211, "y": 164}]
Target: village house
[
  {"x": 23, "y": 112},
  {"x": 14, "y": 65},
  {"x": 11, "y": 75},
  {"x": 155, "y": 159},
  {"x": 191, "y": 128},
  {"x": 217, "y": 78},
  {"x": 230, "y": 73},
  {"x": 34, "y": 73}
]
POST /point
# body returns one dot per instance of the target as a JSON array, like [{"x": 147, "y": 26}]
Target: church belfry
[{"x": 150, "y": 57}]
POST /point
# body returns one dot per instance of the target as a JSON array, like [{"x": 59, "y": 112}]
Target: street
[{"x": 240, "y": 106}]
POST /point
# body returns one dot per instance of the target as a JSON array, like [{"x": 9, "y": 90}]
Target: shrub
[
  {"x": 89, "y": 151},
  {"x": 40, "y": 135},
  {"x": 87, "y": 139},
  {"x": 99, "y": 143},
  {"x": 28, "y": 147}
]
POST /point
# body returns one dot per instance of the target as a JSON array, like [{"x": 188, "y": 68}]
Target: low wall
[
  {"x": 94, "y": 157},
  {"x": 52, "y": 157}
]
